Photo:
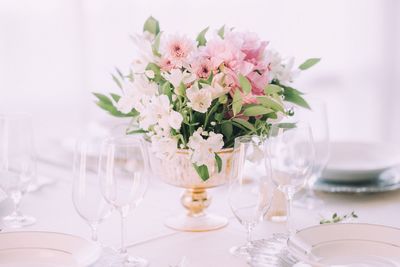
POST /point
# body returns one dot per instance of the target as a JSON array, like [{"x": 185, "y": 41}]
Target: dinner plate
[
  {"x": 46, "y": 249},
  {"x": 359, "y": 162},
  {"x": 386, "y": 181},
  {"x": 347, "y": 244}
]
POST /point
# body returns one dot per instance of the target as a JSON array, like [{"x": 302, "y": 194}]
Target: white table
[{"x": 149, "y": 238}]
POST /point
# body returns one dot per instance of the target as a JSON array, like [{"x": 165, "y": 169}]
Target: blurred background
[{"x": 54, "y": 53}]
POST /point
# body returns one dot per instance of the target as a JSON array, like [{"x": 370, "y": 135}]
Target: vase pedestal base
[{"x": 203, "y": 223}]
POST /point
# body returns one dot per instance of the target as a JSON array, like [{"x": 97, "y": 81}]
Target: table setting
[{"x": 215, "y": 160}]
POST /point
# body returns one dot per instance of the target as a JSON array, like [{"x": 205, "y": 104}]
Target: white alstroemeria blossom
[
  {"x": 163, "y": 146},
  {"x": 125, "y": 104},
  {"x": 200, "y": 99},
  {"x": 175, "y": 119},
  {"x": 143, "y": 46},
  {"x": 177, "y": 76},
  {"x": 158, "y": 111},
  {"x": 280, "y": 69},
  {"x": 203, "y": 150},
  {"x": 142, "y": 84}
]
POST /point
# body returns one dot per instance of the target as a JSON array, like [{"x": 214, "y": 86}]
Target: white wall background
[{"x": 53, "y": 53}]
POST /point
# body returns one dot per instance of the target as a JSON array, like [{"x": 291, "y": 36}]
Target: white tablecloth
[{"x": 149, "y": 238}]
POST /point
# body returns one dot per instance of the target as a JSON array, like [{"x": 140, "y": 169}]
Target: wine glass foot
[
  {"x": 239, "y": 250},
  {"x": 206, "y": 222},
  {"x": 129, "y": 261},
  {"x": 18, "y": 221}
]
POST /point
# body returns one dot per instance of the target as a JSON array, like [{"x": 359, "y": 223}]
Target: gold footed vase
[{"x": 178, "y": 171}]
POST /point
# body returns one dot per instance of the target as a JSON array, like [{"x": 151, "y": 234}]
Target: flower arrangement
[{"x": 201, "y": 94}]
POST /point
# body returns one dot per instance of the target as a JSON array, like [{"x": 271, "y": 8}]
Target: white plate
[
  {"x": 359, "y": 162},
  {"x": 347, "y": 244},
  {"x": 46, "y": 249}
]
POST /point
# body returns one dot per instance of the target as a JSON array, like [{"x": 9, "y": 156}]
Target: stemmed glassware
[
  {"x": 123, "y": 180},
  {"x": 291, "y": 155},
  {"x": 17, "y": 163},
  {"x": 250, "y": 191},
  {"x": 86, "y": 194},
  {"x": 317, "y": 118}
]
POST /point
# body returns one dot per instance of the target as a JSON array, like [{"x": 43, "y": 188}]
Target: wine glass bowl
[
  {"x": 123, "y": 182},
  {"x": 17, "y": 163},
  {"x": 250, "y": 190}
]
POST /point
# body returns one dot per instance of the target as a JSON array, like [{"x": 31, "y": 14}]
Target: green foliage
[
  {"x": 221, "y": 31},
  {"x": 218, "y": 160},
  {"x": 227, "y": 129},
  {"x": 156, "y": 45},
  {"x": 237, "y": 102},
  {"x": 270, "y": 103},
  {"x": 151, "y": 25},
  {"x": 201, "y": 37},
  {"x": 256, "y": 111},
  {"x": 243, "y": 123},
  {"x": 245, "y": 84},
  {"x": 294, "y": 96},
  {"x": 309, "y": 63},
  {"x": 202, "y": 171},
  {"x": 336, "y": 218},
  {"x": 271, "y": 89},
  {"x": 106, "y": 103}
]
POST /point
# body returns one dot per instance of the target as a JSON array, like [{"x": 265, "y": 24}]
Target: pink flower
[
  {"x": 165, "y": 64},
  {"x": 258, "y": 82},
  {"x": 202, "y": 67},
  {"x": 253, "y": 47},
  {"x": 223, "y": 51},
  {"x": 178, "y": 48}
]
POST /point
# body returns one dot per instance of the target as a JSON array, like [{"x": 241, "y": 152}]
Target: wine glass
[
  {"x": 123, "y": 168},
  {"x": 250, "y": 190},
  {"x": 86, "y": 194},
  {"x": 290, "y": 154},
  {"x": 17, "y": 163},
  {"x": 317, "y": 118}
]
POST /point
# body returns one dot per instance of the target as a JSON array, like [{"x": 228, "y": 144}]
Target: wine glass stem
[
  {"x": 16, "y": 198},
  {"x": 94, "y": 232},
  {"x": 288, "y": 215},
  {"x": 123, "y": 234},
  {"x": 249, "y": 235}
]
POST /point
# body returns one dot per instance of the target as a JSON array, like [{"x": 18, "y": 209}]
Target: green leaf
[
  {"x": 166, "y": 89},
  {"x": 221, "y": 31},
  {"x": 286, "y": 125},
  {"x": 113, "y": 110},
  {"x": 294, "y": 97},
  {"x": 219, "y": 117},
  {"x": 227, "y": 129},
  {"x": 245, "y": 84},
  {"x": 115, "y": 97},
  {"x": 151, "y": 25},
  {"x": 237, "y": 102},
  {"x": 292, "y": 90},
  {"x": 218, "y": 160},
  {"x": 309, "y": 63},
  {"x": 116, "y": 81},
  {"x": 156, "y": 45},
  {"x": 201, "y": 38},
  {"x": 271, "y": 89},
  {"x": 269, "y": 103},
  {"x": 103, "y": 98},
  {"x": 119, "y": 73},
  {"x": 244, "y": 123},
  {"x": 202, "y": 171},
  {"x": 256, "y": 111},
  {"x": 136, "y": 131},
  {"x": 181, "y": 89}
]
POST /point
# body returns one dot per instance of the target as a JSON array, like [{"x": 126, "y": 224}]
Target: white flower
[
  {"x": 200, "y": 99},
  {"x": 125, "y": 104},
  {"x": 142, "y": 43},
  {"x": 203, "y": 150},
  {"x": 158, "y": 111},
  {"x": 280, "y": 69},
  {"x": 136, "y": 94},
  {"x": 176, "y": 77},
  {"x": 175, "y": 119},
  {"x": 163, "y": 146},
  {"x": 150, "y": 74}
]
